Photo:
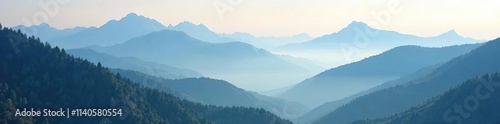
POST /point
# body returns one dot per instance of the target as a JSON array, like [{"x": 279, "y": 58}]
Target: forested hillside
[{"x": 35, "y": 75}]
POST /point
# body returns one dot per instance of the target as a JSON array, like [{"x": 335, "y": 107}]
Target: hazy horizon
[{"x": 271, "y": 18}]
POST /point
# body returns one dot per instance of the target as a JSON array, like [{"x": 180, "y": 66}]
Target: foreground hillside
[
  {"x": 34, "y": 75},
  {"x": 480, "y": 61},
  {"x": 474, "y": 101}
]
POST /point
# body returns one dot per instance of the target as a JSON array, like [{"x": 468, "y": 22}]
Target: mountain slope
[
  {"x": 113, "y": 32},
  {"x": 216, "y": 92},
  {"x": 34, "y": 75},
  {"x": 346, "y": 80},
  {"x": 375, "y": 38},
  {"x": 390, "y": 101},
  {"x": 132, "y": 63},
  {"x": 236, "y": 62},
  {"x": 327, "y": 107},
  {"x": 476, "y": 99}
]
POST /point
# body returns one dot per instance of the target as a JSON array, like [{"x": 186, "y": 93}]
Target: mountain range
[
  {"x": 236, "y": 62},
  {"x": 396, "y": 99},
  {"x": 358, "y": 41},
  {"x": 113, "y": 32},
  {"x": 359, "y": 74}
]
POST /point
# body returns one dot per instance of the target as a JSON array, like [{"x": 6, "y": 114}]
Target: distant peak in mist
[
  {"x": 132, "y": 14},
  {"x": 355, "y": 24},
  {"x": 451, "y": 32}
]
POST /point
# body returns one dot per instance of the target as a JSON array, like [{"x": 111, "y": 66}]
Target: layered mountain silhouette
[
  {"x": 366, "y": 36},
  {"x": 132, "y": 63},
  {"x": 346, "y": 80},
  {"x": 474, "y": 101},
  {"x": 216, "y": 92},
  {"x": 236, "y": 62},
  {"x": 35, "y": 75},
  {"x": 402, "y": 97},
  {"x": 113, "y": 32},
  {"x": 358, "y": 41}
]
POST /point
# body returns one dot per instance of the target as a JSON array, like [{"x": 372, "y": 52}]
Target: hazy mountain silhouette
[
  {"x": 358, "y": 41},
  {"x": 393, "y": 100},
  {"x": 113, "y": 32},
  {"x": 379, "y": 39},
  {"x": 474, "y": 101},
  {"x": 216, "y": 92},
  {"x": 200, "y": 32},
  {"x": 236, "y": 62},
  {"x": 47, "y": 33},
  {"x": 346, "y": 80},
  {"x": 132, "y": 63}
]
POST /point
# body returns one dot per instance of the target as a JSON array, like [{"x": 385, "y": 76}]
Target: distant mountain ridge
[
  {"x": 362, "y": 32},
  {"x": 358, "y": 40},
  {"x": 113, "y": 32},
  {"x": 47, "y": 33}
]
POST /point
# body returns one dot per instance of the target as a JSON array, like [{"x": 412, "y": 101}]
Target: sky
[{"x": 471, "y": 18}]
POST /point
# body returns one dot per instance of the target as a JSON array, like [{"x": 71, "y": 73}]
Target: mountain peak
[
  {"x": 451, "y": 32},
  {"x": 43, "y": 24},
  {"x": 357, "y": 24},
  {"x": 135, "y": 19},
  {"x": 132, "y": 15}
]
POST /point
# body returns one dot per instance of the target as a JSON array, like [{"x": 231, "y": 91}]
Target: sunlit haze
[{"x": 477, "y": 19}]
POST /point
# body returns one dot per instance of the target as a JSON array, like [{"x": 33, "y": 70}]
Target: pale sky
[{"x": 478, "y": 19}]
